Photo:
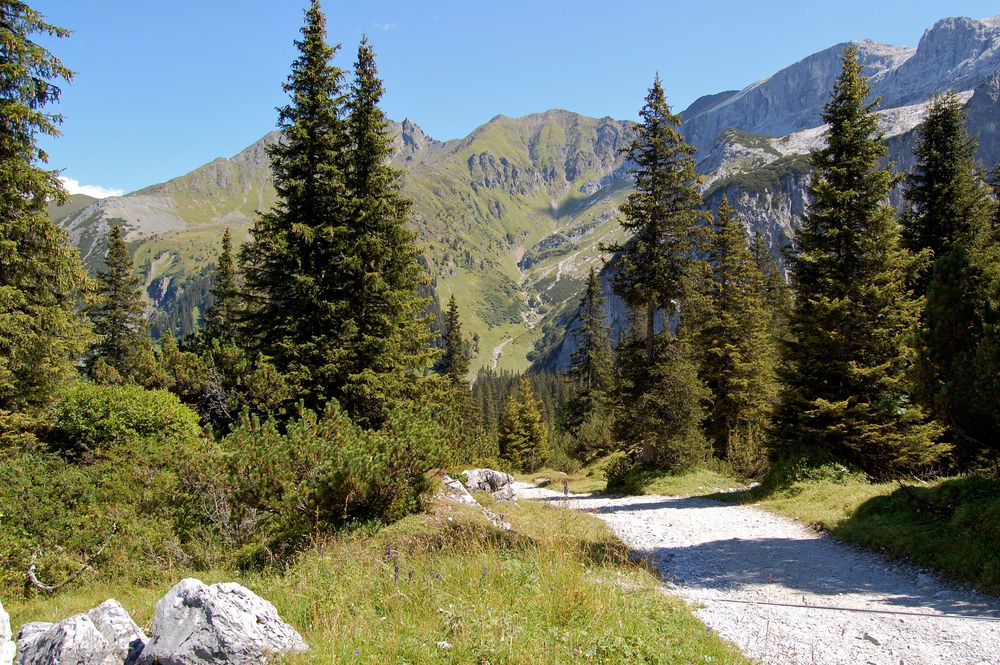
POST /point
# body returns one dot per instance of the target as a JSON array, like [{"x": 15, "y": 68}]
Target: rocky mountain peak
[{"x": 954, "y": 54}]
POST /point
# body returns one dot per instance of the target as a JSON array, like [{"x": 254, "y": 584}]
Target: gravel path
[{"x": 769, "y": 585}]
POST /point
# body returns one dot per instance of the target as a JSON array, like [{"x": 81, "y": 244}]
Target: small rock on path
[{"x": 783, "y": 593}]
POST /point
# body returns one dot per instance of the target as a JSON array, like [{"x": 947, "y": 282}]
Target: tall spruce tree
[
  {"x": 591, "y": 365},
  {"x": 654, "y": 268},
  {"x": 947, "y": 198},
  {"x": 122, "y": 352},
  {"x": 732, "y": 331},
  {"x": 42, "y": 332},
  {"x": 587, "y": 414},
  {"x": 949, "y": 217},
  {"x": 221, "y": 316},
  {"x": 662, "y": 216},
  {"x": 296, "y": 293},
  {"x": 454, "y": 363},
  {"x": 847, "y": 393},
  {"x": 388, "y": 337}
]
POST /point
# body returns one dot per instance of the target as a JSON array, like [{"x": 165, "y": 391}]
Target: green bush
[
  {"x": 129, "y": 490},
  {"x": 617, "y": 468},
  {"x": 92, "y": 419},
  {"x": 324, "y": 472}
]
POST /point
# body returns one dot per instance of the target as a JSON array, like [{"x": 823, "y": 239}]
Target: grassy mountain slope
[{"x": 509, "y": 219}]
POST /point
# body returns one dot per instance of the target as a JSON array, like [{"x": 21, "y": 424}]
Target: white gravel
[{"x": 783, "y": 593}]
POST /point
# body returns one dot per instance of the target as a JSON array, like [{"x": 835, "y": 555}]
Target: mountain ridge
[{"x": 513, "y": 215}]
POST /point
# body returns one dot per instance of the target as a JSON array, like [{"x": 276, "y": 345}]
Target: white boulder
[
  {"x": 486, "y": 480},
  {"x": 127, "y": 639},
  {"x": 6, "y": 641},
  {"x": 197, "y": 624},
  {"x": 72, "y": 641}
]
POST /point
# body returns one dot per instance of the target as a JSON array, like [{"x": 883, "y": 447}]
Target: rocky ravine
[{"x": 785, "y": 594}]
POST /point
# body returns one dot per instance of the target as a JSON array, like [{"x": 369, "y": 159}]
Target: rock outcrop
[
  {"x": 72, "y": 641},
  {"x": 486, "y": 480},
  {"x": 106, "y": 635},
  {"x": 455, "y": 492},
  {"x": 197, "y": 624}
]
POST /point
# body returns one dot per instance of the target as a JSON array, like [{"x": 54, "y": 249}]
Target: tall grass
[{"x": 558, "y": 589}]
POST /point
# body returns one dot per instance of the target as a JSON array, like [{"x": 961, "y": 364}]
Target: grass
[
  {"x": 559, "y": 589},
  {"x": 691, "y": 482},
  {"x": 587, "y": 480}
]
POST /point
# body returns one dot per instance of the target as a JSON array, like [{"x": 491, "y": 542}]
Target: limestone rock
[
  {"x": 197, "y": 624},
  {"x": 486, "y": 480},
  {"x": 455, "y": 491},
  {"x": 127, "y": 639},
  {"x": 72, "y": 641},
  {"x": 6, "y": 643},
  {"x": 31, "y": 631},
  {"x": 506, "y": 494}
]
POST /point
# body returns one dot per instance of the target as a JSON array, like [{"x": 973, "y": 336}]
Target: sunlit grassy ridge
[{"x": 559, "y": 589}]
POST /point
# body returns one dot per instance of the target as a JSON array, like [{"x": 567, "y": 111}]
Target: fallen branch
[{"x": 52, "y": 588}]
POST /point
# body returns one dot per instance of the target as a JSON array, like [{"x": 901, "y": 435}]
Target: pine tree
[
  {"x": 295, "y": 290},
  {"x": 123, "y": 352},
  {"x": 388, "y": 337},
  {"x": 660, "y": 408},
  {"x": 662, "y": 215},
  {"x": 587, "y": 414},
  {"x": 949, "y": 218},
  {"x": 591, "y": 365},
  {"x": 947, "y": 199},
  {"x": 454, "y": 363},
  {"x": 654, "y": 269},
  {"x": 777, "y": 296},
  {"x": 732, "y": 332},
  {"x": 221, "y": 317},
  {"x": 847, "y": 394},
  {"x": 523, "y": 436},
  {"x": 42, "y": 332}
]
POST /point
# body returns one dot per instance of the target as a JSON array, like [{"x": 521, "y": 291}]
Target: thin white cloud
[
  {"x": 387, "y": 26},
  {"x": 74, "y": 187}
]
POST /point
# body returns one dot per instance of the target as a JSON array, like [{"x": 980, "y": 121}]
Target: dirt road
[{"x": 786, "y": 594}]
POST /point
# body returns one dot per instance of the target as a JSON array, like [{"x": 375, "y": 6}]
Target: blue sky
[{"x": 163, "y": 87}]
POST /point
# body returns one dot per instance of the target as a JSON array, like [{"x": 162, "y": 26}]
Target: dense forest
[{"x": 327, "y": 383}]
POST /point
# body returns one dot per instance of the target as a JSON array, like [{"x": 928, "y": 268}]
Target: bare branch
[{"x": 52, "y": 588}]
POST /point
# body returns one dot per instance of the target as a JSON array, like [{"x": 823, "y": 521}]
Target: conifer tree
[
  {"x": 949, "y": 217},
  {"x": 777, "y": 296},
  {"x": 654, "y": 270},
  {"x": 523, "y": 436},
  {"x": 296, "y": 295},
  {"x": 662, "y": 216},
  {"x": 454, "y": 363},
  {"x": 42, "y": 332},
  {"x": 587, "y": 414},
  {"x": 388, "y": 338},
  {"x": 847, "y": 394},
  {"x": 221, "y": 317},
  {"x": 591, "y": 365},
  {"x": 660, "y": 408},
  {"x": 735, "y": 346},
  {"x": 947, "y": 199},
  {"x": 123, "y": 351}
]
